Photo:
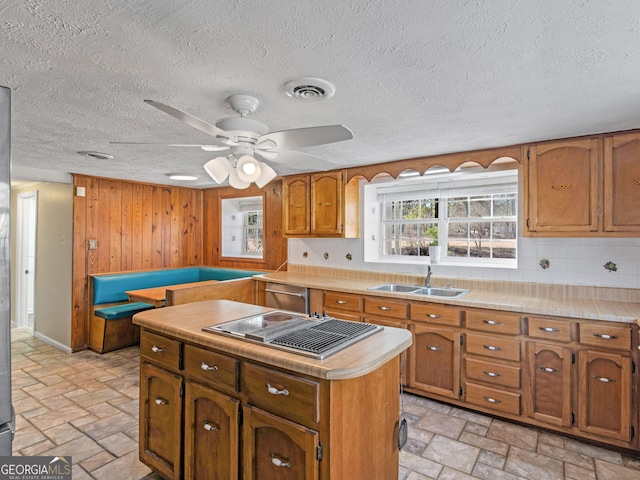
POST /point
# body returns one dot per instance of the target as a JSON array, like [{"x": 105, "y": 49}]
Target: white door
[{"x": 26, "y": 227}]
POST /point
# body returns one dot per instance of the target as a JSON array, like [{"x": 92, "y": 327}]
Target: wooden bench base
[{"x": 109, "y": 335}]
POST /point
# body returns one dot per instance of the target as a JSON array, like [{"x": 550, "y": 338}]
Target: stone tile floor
[{"x": 86, "y": 405}]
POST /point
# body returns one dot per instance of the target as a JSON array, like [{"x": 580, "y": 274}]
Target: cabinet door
[
  {"x": 549, "y": 368},
  {"x": 297, "y": 211},
  {"x": 605, "y": 394},
  {"x": 327, "y": 203},
  {"x": 276, "y": 448},
  {"x": 622, "y": 183},
  {"x": 211, "y": 443},
  {"x": 435, "y": 361},
  {"x": 563, "y": 186},
  {"x": 160, "y": 420}
]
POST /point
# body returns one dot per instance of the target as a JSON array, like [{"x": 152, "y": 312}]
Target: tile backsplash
[{"x": 605, "y": 262}]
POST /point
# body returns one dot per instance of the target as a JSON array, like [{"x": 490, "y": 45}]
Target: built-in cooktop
[{"x": 317, "y": 336}]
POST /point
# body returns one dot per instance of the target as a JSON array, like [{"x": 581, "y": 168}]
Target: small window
[
  {"x": 252, "y": 232},
  {"x": 473, "y": 217},
  {"x": 242, "y": 227}
]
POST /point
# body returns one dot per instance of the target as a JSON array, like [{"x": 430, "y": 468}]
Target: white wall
[
  {"x": 54, "y": 256},
  {"x": 574, "y": 261}
]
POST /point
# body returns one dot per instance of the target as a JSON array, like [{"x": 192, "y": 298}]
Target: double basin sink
[{"x": 420, "y": 290}]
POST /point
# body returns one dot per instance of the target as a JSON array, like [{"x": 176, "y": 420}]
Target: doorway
[{"x": 26, "y": 233}]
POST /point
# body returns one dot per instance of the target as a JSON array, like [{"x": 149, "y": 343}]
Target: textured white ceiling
[{"x": 413, "y": 78}]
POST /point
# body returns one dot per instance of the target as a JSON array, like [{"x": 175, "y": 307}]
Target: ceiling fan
[{"x": 245, "y": 138}]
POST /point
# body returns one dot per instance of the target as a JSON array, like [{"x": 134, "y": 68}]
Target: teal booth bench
[{"x": 110, "y": 325}]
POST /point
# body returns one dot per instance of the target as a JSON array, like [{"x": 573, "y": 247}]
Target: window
[
  {"x": 242, "y": 223},
  {"x": 472, "y": 216},
  {"x": 252, "y": 232}
]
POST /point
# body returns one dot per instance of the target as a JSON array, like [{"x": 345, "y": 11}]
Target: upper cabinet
[
  {"x": 587, "y": 187},
  {"x": 622, "y": 183},
  {"x": 562, "y": 187},
  {"x": 320, "y": 205}
]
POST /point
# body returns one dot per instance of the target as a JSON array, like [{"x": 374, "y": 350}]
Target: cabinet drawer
[
  {"x": 352, "y": 317},
  {"x": 160, "y": 350},
  {"x": 211, "y": 367},
  {"x": 291, "y": 397},
  {"x": 606, "y": 335},
  {"x": 494, "y": 322},
  {"x": 494, "y": 347},
  {"x": 487, "y": 397},
  {"x": 549, "y": 329},
  {"x": 342, "y": 301},
  {"x": 495, "y": 373},
  {"x": 386, "y": 307},
  {"x": 435, "y": 313}
]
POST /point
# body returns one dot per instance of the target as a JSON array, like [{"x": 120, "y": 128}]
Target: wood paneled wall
[
  {"x": 138, "y": 226},
  {"x": 275, "y": 246}
]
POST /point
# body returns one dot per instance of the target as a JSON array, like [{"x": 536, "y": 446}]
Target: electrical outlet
[{"x": 93, "y": 244}]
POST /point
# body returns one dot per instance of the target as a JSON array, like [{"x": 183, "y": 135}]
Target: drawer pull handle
[
  {"x": 433, "y": 315},
  {"x": 341, "y": 302},
  {"x": 386, "y": 309},
  {"x": 492, "y": 348},
  {"x": 275, "y": 391},
  {"x": 492, "y": 322},
  {"x": 433, "y": 349},
  {"x": 548, "y": 329},
  {"x": 491, "y": 374},
  {"x": 491, "y": 400},
  {"x": 603, "y": 379},
  {"x": 561, "y": 186},
  {"x": 605, "y": 336},
  {"x": 155, "y": 349},
  {"x": 211, "y": 426},
  {"x": 549, "y": 369},
  {"x": 161, "y": 401},
  {"x": 206, "y": 367},
  {"x": 279, "y": 463}
]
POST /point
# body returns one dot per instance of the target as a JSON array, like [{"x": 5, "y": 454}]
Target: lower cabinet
[
  {"x": 276, "y": 448},
  {"x": 211, "y": 433}
]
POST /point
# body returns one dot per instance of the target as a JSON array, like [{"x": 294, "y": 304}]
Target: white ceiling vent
[{"x": 310, "y": 88}]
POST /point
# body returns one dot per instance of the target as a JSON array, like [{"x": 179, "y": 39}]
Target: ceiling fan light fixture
[
  {"x": 248, "y": 168},
  {"x": 219, "y": 169},
  {"x": 266, "y": 175},
  {"x": 235, "y": 181}
]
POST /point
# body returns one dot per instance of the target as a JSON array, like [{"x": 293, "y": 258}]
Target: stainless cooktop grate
[{"x": 325, "y": 336}]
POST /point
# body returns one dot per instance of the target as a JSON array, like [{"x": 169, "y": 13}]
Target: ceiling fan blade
[
  {"x": 302, "y": 161},
  {"x": 207, "y": 147},
  {"x": 192, "y": 121},
  {"x": 307, "y": 137}
]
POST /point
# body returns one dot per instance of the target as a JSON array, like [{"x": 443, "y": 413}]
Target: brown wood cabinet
[
  {"x": 622, "y": 183},
  {"x": 562, "y": 187},
  {"x": 208, "y": 414},
  {"x": 321, "y": 205}
]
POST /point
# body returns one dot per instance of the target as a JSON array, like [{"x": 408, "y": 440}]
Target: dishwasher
[{"x": 287, "y": 297}]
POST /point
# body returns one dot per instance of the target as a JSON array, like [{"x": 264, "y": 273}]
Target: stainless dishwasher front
[{"x": 287, "y": 297}]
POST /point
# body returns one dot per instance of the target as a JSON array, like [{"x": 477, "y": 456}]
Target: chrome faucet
[{"x": 427, "y": 280}]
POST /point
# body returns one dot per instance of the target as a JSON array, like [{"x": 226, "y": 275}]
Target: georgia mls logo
[{"x": 35, "y": 468}]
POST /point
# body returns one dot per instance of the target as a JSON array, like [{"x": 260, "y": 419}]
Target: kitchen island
[{"x": 213, "y": 406}]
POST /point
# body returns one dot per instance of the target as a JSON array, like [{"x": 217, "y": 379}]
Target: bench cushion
[{"x": 122, "y": 311}]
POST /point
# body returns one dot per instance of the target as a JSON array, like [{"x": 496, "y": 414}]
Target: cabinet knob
[
  {"x": 156, "y": 349},
  {"x": 433, "y": 349},
  {"x": 385, "y": 309},
  {"x": 161, "y": 401},
  {"x": 206, "y": 367},
  {"x": 492, "y": 322},
  {"x": 211, "y": 426},
  {"x": 549, "y": 369},
  {"x": 548, "y": 329},
  {"x": 491, "y": 374},
  {"x": 491, "y": 400},
  {"x": 603, "y": 379},
  {"x": 561, "y": 186},
  {"x": 433, "y": 315},
  {"x": 279, "y": 462},
  {"x": 605, "y": 336},
  {"x": 275, "y": 391},
  {"x": 341, "y": 302},
  {"x": 492, "y": 348}
]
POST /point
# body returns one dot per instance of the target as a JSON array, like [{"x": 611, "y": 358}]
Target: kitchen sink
[
  {"x": 420, "y": 290},
  {"x": 395, "y": 287}
]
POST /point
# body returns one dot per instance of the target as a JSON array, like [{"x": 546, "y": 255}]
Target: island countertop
[{"x": 185, "y": 322}]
